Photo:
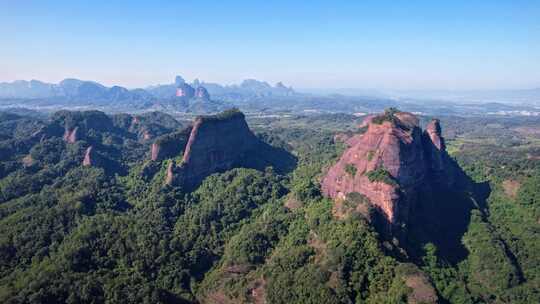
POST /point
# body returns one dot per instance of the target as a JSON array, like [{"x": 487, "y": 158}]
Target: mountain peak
[
  {"x": 178, "y": 80},
  {"x": 389, "y": 164},
  {"x": 216, "y": 143}
]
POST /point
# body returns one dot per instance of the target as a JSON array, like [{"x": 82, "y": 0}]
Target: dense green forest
[{"x": 116, "y": 233}]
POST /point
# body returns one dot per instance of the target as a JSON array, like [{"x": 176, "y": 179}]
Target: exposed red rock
[
  {"x": 169, "y": 145},
  {"x": 202, "y": 93},
  {"x": 92, "y": 158},
  {"x": 88, "y": 157},
  {"x": 341, "y": 137},
  {"x": 71, "y": 135},
  {"x": 147, "y": 135},
  {"x": 170, "y": 174},
  {"x": 154, "y": 153},
  {"x": 185, "y": 90},
  {"x": 394, "y": 146},
  {"x": 433, "y": 130},
  {"x": 216, "y": 143},
  {"x": 436, "y": 156},
  {"x": 435, "y": 144}
]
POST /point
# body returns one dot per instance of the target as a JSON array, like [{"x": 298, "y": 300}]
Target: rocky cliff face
[
  {"x": 213, "y": 144},
  {"x": 91, "y": 158},
  {"x": 71, "y": 135},
  {"x": 202, "y": 93},
  {"x": 170, "y": 145},
  {"x": 436, "y": 156},
  {"x": 185, "y": 90},
  {"x": 389, "y": 164},
  {"x": 216, "y": 143}
]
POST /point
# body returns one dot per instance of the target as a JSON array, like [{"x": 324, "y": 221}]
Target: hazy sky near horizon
[{"x": 308, "y": 44}]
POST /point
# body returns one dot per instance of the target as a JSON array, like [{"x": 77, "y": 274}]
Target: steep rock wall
[
  {"x": 404, "y": 158},
  {"x": 216, "y": 143},
  {"x": 170, "y": 145}
]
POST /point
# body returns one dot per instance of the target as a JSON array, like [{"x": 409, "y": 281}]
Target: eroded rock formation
[
  {"x": 436, "y": 156},
  {"x": 389, "y": 164},
  {"x": 71, "y": 135},
  {"x": 216, "y": 143},
  {"x": 170, "y": 145},
  {"x": 202, "y": 93},
  {"x": 91, "y": 158},
  {"x": 185, "y": 90},
  {"x": 213, "y": 144}
]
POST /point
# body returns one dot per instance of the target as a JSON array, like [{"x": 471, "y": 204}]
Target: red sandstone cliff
[
  {"x": 202, "y": 93},
  {"x": 170, "y": 145},
  {"x": 216, "y": 143},
  {"x": 436, "y": 156},
  {"x": 71, "y": 135},
  {"x": 388, "y": 164},
  {"x": 91, "y": 158}
]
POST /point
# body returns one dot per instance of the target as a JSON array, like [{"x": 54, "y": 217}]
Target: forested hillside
[{"x": 112, "y": 230}]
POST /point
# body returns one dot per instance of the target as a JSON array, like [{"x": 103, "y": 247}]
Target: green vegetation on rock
[
  {"x": 351, "y": 169},
  {"x": 381, "y": 175}
]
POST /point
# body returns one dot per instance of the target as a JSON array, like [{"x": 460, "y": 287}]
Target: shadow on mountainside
[
  {"x": 265, "y": 155},
  {"x": 260, "y": 157},
  {"x": 443, "y": 214}
]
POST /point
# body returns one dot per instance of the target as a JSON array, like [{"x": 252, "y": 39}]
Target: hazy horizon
[{"x": 483, "y": 45}]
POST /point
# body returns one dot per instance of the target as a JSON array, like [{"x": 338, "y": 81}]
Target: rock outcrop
[
  {"x": 170, "y": 145},
  {"x": 71, "y": 135},
  {"x": 202, "y": 93},
  {"x": 216, "y": 143},
  {"x": 82, "y": 125},
  {"x": 436, "y": 156},
  {"x": 91, "y": 158},
  {"x": 185, "y": 90},
  {"x": 389, "y": 164}
]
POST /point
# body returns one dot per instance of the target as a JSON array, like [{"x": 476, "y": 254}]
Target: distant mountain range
[
  {"x": 252, "y": 95},
  {"x": 248, "y": 89},
  {"x": 69, "y": 88},
  {"x": 90, "y": 92}
]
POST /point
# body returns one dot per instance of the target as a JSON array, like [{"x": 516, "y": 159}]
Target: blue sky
[{"x": 309, "y": 44}]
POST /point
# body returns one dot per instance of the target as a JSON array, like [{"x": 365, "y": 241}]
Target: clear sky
[{"x": 472, "y": 44}]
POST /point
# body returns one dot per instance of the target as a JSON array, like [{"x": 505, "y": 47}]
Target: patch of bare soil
[
  {"x": 422, "y": 290},
  {"x": 258, "y": 293},
  {"x": 292, "y": 203},
  {"x": 511, "y": 187}
]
